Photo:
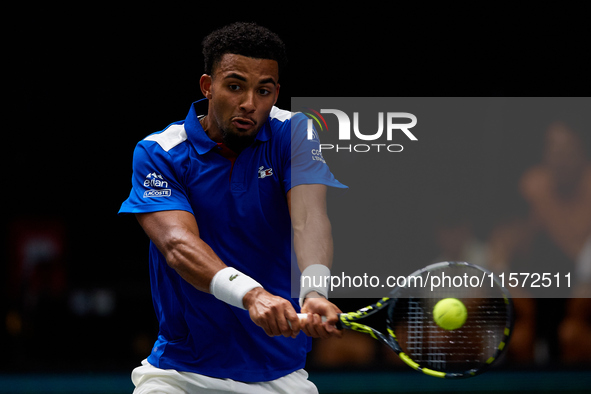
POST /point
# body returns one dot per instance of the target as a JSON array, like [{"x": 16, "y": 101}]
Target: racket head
[{"x": 460, "y": 353}]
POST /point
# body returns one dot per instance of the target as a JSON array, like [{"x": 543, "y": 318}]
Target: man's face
[{"x": 241, "y": 93}]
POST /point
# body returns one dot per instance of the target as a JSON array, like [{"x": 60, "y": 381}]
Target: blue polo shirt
[{"x": 242, "y": 214}]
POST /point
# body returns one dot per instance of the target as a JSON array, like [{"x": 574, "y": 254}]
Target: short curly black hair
[{"x": 246, "y": 39}]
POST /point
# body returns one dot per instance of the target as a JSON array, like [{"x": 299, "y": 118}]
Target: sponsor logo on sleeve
[{"x": 158, "y": 186}]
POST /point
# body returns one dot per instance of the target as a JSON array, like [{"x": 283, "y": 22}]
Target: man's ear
[{"x": 205, "y": 85}]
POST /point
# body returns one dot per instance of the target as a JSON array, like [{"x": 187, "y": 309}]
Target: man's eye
[
  {"x": 234, "y": 87},
  {"x": 264, "y": 92}
]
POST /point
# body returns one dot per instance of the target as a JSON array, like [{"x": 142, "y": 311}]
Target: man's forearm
[{"x": 313, "y": 242}]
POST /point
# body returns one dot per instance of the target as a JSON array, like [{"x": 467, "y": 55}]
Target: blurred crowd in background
[
  {"x": 55, "y": 320},
  {"x": 549, "y": 231}
]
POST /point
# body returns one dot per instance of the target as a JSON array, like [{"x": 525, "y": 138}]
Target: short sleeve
[
  {"x": 155, "y": 184},
  {"x": 306, "y": 165}
]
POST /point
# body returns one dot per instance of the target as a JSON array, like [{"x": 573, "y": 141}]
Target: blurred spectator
[
  {"x": 36, "y": 288},
  {"x": 555, "y": 237},
  {"x": 559, "y": 191},
  {"x": 559, "y": 194}
]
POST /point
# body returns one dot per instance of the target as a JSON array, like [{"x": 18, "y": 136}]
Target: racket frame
[{"x": 350, "y": 321}]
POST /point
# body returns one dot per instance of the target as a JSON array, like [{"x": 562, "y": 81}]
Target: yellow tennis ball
[{"x": 450, "y": 313}]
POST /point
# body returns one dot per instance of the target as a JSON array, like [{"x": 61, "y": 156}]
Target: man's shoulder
[
  {"x": 280, "y": 115},
  {"x": 283, "y": 121},
  {"x": 169, "y": 138}
]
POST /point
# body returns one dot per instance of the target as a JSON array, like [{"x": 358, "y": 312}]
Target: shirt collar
[
  {"x": 198, "y": 136},
  {"x": 195, "y": 132},
  {"x": 264, "y": 133}
]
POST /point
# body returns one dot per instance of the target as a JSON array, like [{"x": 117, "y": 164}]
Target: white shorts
[{"x": 149, "y": 379}]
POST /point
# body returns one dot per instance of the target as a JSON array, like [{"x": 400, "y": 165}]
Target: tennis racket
[{"x": 413, "y": 334}]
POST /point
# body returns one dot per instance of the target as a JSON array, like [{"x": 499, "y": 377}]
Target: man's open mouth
[{"x": 243, "y": 123}]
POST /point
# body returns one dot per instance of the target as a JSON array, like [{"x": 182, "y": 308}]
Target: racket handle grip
[{"x": 303, "y": 316}]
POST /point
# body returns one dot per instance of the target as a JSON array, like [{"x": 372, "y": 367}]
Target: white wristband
[
  {"x": 314, "y": 278},
  {"x": 230, "y": 285}
]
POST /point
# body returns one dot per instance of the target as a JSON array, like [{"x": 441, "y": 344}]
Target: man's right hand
[{"x": 272, "y": 313}]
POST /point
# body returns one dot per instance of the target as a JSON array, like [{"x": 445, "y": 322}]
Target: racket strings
[
  {"x": 415, "y": 327},
  {"x": 468, "y": 347},
  {"x": 473, "y": 345}
]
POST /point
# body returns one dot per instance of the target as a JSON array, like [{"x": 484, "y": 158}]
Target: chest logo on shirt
[
  {"x": 263, "y": 173},
  {"x": 158, "y": 186}
]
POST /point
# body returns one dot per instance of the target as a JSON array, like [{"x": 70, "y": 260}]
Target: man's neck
[{"x": 210, "y": 129}]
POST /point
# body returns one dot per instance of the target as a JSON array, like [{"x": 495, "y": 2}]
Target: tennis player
[{"x": 220, "y": 195}]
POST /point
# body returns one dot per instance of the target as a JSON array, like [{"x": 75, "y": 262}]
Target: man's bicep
[
  {"x": 176, "y": 235},
  {"x": 161, "y": 226}
]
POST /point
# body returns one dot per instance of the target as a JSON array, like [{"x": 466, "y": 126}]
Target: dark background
[{"x": 84, "y": 85}]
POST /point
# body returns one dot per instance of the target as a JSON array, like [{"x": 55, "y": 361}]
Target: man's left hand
[{"x": 317, "y": 307}]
